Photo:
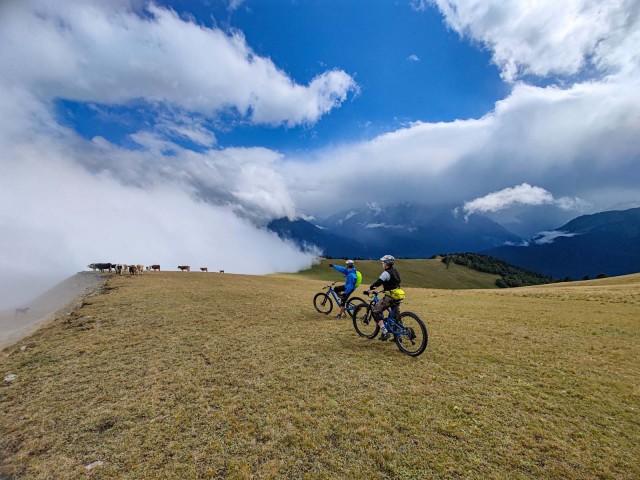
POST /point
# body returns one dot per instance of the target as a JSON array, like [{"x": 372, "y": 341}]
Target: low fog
[{"x": 56, "y": 218}]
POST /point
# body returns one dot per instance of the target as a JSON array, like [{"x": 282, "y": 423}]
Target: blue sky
[
  {"x": 407, "y": 69},
  {"x": 143, "y": 132}
]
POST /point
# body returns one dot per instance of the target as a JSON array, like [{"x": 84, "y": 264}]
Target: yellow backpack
[{"x": 396, "y": 294}]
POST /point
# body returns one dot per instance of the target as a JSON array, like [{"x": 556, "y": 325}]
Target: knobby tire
[
  {"x": 323, "y": 303},
  {"x": 352, "y": 303},
  {"x": 415, "y": 342},
  {"x": 364, "y": 323}
]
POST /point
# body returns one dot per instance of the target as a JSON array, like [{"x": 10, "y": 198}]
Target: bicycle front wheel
[
  {"x": 364, "y": 323},
  {"x": 323, "y": 303},
  {"x": 352, "y": 304},
  {"x": 414, "y": 337}
]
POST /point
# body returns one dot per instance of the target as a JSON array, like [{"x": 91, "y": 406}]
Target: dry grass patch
[{"x": 176, "y": 375}]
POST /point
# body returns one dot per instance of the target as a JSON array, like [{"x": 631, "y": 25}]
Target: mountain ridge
[{"x": 587, "y": 246}]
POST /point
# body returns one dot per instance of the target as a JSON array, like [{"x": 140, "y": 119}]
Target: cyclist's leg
[
  {"x": 377, "y": 311},
  {"x": 343, "y": 301}
]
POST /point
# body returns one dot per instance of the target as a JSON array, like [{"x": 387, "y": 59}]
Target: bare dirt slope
[{"x": 64, "y": 296}]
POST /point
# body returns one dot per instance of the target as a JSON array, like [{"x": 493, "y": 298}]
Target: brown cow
[
  {"x": 132, "y": 270},
  {"x": 155, "y": 268},
  {"x": 204, "y": 269},
  {"x": 184, "y": 268}
]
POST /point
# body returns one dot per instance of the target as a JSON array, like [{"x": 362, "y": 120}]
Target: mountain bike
[
  {"x": 323, "y": 301},
  {"x": 408, "y": 330}
]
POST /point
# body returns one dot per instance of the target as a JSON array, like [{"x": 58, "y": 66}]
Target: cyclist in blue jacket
[{"x": 349, "y": 285}]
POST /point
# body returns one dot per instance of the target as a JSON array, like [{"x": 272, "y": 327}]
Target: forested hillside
[{"x": 511, "y": 276}]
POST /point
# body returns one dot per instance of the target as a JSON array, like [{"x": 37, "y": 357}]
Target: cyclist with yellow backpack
[
  {"x": 390, "y": 281},
  {"x": 351, "y": 283}
]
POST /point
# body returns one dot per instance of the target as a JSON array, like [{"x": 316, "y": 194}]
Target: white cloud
[
  {"x": 66, "y": 201},
  {"x": 234, "y": 4},
  {"x": 186, "y": 127},
  {"x": 56, "y": 217},
  {"x": 413, "y": 58},
  {"x": 419, "y": 5},
  {"x": 580, "y": 141},
  {"x": 550, "y": 236},
  {"x": 107, "y": 53},
  {"x": 550, "y": 37},
  {"x": 523, "y": 194}
]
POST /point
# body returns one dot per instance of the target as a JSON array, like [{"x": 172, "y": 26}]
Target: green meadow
[
  {"x": 204, "y": 375},
  {"x": 431, "y": 273}
]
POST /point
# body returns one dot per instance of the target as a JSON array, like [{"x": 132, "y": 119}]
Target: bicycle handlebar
[{"x": 329, "y": 286}]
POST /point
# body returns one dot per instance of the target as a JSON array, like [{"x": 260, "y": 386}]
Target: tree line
[{"x": 511, "y": 276}]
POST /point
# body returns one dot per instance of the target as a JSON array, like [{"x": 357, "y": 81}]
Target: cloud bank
[
  {"x": 113, "y": 53},
  {"x": 524, "y": 194},
  {"x": 66, "y": 201},
  {"x": 548, "y": 37},
  {"x": 577, "y": 137}
]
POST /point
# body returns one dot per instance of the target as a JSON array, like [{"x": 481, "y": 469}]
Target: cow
[
  {"x": 132, "y": 269},
  {"x": 221, "y": 271},
  {"x": 155, "y": 268},
  {"x": 22, "y": 310},
  {"x": 184, "y": 268},
  {"x": 118, "y": 268},
  {"x": 101, "y": 266},
  {"x": 204, "y": 269},
  {"x": 139, "y": 269}
]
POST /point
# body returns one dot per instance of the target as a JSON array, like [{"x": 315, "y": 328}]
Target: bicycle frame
[
  {"x": 389, "y": 321},
  {"x": 408, "y": 330},
  {"x": 335, "y": 296},
  {"x": 337, "y": 299}
]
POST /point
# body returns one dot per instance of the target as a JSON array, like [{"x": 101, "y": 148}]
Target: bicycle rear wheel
[
  {"x": 413, "y": 341},
  {"x": 323, "y": 303},
  {"x": 364, "y": 323},
  {"x": 352, "y": 304}
]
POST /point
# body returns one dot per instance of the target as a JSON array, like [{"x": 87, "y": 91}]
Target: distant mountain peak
[
  {"x": 375, "y": 207},
  {"x": 589, "y": 245}
]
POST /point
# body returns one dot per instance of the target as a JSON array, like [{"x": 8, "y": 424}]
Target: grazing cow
[
  {"x": 101, "y": 266},
  {"x": 139, "y": 269},
  {"x": 204, "y": 269},
  {"x": 155, "y": 267},
  {"x": 118, "y": 268},
  {"x": 21, "y": 310},
  {"x": 184, "y": 268},
  {"x": 132, "y": 269},
  {"x": 221, "y": 271}
]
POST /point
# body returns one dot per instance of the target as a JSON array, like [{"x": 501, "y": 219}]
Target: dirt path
[{"x": 59, "y": 300}]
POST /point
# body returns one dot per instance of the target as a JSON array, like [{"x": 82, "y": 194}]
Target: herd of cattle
[{"x": 124, "y": 269}]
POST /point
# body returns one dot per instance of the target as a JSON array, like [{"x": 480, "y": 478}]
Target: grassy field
[
  {"x": 415, "y": 273},
  {"x": 191, "y": 375}
]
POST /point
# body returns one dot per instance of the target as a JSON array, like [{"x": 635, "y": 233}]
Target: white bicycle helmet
[
  {"x": 350, "y": 263},
  {"x": 388, "y": 259}
]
